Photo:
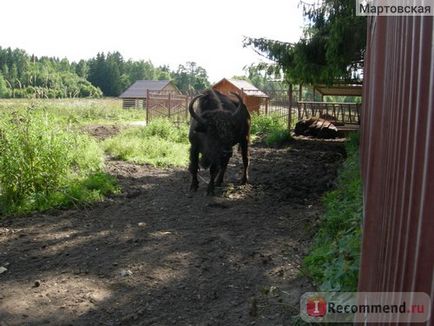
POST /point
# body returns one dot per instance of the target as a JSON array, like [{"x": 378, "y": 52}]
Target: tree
[
  {"x": 97, "y": 72},
  {"x": 3, "y": 88},
  {"x": 163, "y": 73},
  {"x": 191, "y": 78},
  {"x": 82, "y": 69},
  {"x": 264, "y": 81},
  {"x": 332, "y": 48},
  {"x": 112, "y": 76}
]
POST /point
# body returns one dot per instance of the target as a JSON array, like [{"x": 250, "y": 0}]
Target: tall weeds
[{"x": 43, "y": 164}]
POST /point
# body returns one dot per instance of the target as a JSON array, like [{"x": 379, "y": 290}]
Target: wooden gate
[{"x": 169, "y": 105}]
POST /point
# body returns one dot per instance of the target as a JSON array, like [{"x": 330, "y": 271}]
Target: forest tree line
[{"x": 23, "y": 75}]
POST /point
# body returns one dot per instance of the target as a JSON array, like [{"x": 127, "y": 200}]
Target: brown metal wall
[{"x": 397, "y": 148}]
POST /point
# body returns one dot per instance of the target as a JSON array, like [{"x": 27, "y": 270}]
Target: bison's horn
[
  {"x": 194, "y": 114},
  {"x": 240, "y": 103}
]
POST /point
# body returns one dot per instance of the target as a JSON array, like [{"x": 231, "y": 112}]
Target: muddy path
[{"x": 157, "y": 255}]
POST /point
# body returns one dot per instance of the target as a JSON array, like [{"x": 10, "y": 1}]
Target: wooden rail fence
[{"x": 346, "y": 113}]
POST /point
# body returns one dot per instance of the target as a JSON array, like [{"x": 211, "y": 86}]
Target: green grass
[
  {"x": 163, "y": 144},
  {"x": 75, "y": 111},
  {"x": 270, "y": 128},
  {"x": 333, "y": 262},
  {"x": 44, "y": 164},
  {"x": 159, "y": 144}
]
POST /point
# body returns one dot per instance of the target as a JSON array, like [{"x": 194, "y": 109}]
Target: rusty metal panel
[{"x": 397, "y": 156}]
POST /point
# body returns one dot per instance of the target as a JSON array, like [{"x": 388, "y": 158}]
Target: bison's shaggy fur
[{"x": 218, "y": 124}]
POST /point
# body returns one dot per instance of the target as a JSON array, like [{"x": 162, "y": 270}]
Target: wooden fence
[
  {"x": 346, "y": 113},
  {"x": 166, "y": 105}
]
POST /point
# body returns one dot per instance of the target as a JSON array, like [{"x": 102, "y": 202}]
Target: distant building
[
  {"x": 135, "y": 95},
  {"x": 253, "y": 97}
]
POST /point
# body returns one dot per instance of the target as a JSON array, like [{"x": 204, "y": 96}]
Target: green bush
[
  {"x": 271, "y": 128},
  {"x": 160, "y": 143},
  {"x": 44, "y": 165},
  {"x": 333, "y": 262}
]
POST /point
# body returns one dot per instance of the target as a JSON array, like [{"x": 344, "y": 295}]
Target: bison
[
  {"x": 317, "y": 128},
  {"x": 217, "y": 124}
]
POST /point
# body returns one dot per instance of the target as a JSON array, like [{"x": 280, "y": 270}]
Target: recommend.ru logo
[{"x": 364, "y": 307}]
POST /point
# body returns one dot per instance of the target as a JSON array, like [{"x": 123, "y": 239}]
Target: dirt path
[{"x": 157, "y": 255}]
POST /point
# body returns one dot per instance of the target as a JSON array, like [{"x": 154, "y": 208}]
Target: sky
[{"x": 167, "y": 32}]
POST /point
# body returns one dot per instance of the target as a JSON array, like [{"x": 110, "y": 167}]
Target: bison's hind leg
[
  {"x": 245, "y": 155},
  {"x": 193, "y": 168}
]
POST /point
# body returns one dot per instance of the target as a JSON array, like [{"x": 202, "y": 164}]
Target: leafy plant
[
  {"x": 42, "y": 165},
  {"x": 333, "y": 262},
  {"x": 271, "y": 128}
]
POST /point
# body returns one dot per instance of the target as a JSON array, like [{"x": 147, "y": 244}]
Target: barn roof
[
  {"x": 246, "y": 87},
  {"x": 139, "y": 88}
]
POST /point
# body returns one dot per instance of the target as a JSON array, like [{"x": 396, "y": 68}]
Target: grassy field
[
  {"x": 162, "y": 144},
  {"x": 76, "y": 111},
  {"x": 158, "y": 144},
  {"x": 48, "y": 160}
]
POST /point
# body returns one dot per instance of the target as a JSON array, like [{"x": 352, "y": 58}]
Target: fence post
[
  {"x": 267, "y": 100},
  {"x": 169, "y": 104},
  {"x": 186, "y": 108},
  {"x": 290, "y": 106},
  {"x": 358, "y": 113},
  {"x": 300, "y": 92},
  {"x": 147, "y": 106}
]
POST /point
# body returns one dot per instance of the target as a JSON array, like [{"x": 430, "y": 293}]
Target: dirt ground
[{"x": 158, "y": 255}]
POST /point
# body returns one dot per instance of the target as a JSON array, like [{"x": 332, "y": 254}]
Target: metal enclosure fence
[
  {"x": 278, "y": 104},
  {"x": 397, "y": 156}
]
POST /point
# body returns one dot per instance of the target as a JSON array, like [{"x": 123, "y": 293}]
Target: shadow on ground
[{"x": 159, "y": 255}]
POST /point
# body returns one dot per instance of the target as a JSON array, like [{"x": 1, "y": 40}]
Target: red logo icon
[{"x": 316, "y": 306}]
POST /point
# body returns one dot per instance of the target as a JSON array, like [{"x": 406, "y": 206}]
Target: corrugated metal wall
[{"x": 397, "y": 148}]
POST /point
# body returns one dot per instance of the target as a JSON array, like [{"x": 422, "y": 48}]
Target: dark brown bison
[
  {"x": 316, "y": 127},
  {"x": 218, "y": 123}
]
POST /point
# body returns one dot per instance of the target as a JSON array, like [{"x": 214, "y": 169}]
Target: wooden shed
[
  {"x": 253, "y": 97},
  {"x": 135, "y": 95}
]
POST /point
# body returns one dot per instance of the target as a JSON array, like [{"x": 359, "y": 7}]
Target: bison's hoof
[
  {"x": 194, "y": 187},
  {"x": 244, "y": 181}
]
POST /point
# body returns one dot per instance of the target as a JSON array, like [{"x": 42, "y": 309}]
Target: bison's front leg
[
  {"x": 193, "y": 167},
  {"x": 213, "y": 172},
  {"x": 244, "y": 145},
  {"x": 222, "y": 171}
]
